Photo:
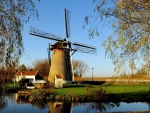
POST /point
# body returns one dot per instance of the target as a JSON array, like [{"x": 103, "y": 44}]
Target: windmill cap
[{"x": 57, "y": 45}]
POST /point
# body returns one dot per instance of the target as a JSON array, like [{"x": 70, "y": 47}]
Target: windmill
[{"x": 62, "y": 50}]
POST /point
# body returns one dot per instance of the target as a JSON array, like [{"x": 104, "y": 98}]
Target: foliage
[
  {"x": 42, "y": 65},
  {"x": 141, "y": 72},
  {"x": 6, "y": 75},
  {"x": 130, "y": 40},
  {"x": 22, "y": 67},
  {"x": 99, "y": 95},
  {"x": 79, "y": 67},
  {"x": 13, "y": 14}
]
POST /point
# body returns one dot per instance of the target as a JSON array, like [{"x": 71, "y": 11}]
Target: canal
[{"x": 14, "y": 103}]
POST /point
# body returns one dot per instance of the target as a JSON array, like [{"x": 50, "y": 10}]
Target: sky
[{"x": 51, "y": 20}]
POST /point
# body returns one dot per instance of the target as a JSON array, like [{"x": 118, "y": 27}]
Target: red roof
[
  {"x": 58, "y": 76},
  {"x": 27, "y": 72}
]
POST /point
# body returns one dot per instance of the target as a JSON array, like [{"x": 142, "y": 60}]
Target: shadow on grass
[{"x": 138, "y": 96}]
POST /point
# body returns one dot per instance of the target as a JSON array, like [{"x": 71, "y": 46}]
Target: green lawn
[
  {"x": 125, "y": 91},
  {"x": 11, "y": 85},
  {"x": 75, "y": 89},
  {"x": 130, "y": 92},
  {"x": 116, "y": 89}
]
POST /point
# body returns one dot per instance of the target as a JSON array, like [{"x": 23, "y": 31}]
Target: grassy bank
[
  {"x": 109, "y": 88},
  {"x": 104, "y": 92}
]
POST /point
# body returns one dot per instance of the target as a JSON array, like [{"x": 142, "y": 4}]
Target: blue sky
[{"x": 51, "y": 20}]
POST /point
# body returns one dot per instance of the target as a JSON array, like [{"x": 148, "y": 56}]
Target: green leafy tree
[
  {"x": 22, "y": 67},
  {"x": 131, "y": 29},
  {"x": 13, "y": 14}
]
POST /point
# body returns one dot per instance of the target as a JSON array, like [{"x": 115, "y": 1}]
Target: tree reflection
[
  {"x": 40, "y": 103},
  {"x": 3, "y": 103},
  {"x": 148, "y": 104},
  {"x": 103, "y": 106}
]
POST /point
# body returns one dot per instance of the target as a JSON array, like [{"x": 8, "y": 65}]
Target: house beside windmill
[{"x": 33, "y": 75}]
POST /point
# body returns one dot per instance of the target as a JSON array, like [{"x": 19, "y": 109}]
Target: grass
[
  {"x": 11, "y": 85},
  {"x": 117, "y": 89},
  {"x": 75, "y": 89},
  {"x": 127, "y": 90}
]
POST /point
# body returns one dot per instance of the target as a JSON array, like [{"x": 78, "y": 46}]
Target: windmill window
[{"x": 64, "y": 45}]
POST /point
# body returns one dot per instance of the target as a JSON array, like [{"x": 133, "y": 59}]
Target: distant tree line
[{"x": 42, "y": 65}]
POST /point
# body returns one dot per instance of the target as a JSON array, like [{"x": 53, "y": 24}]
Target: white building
[{"x": 33, "y": 75}]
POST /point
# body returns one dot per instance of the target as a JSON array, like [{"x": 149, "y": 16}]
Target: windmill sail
[
  {"x": 67, "y": 22},
  {"x": 78, "y": 47},
  {"x": 35, "y": 32}
]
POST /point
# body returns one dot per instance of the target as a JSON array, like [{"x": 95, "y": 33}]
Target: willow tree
[
  {"x": 13, "y": 14},
  {"x": 130, "y": 20}
]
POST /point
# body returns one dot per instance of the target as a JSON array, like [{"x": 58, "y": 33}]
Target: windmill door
[{"x": 58, "y": 81}]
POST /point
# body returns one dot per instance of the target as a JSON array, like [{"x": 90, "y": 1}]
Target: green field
[
  {"x": 11, "y": 85},
  {"x": 139, "y": 92},
  {"x": 116, "y": 89},
  {"x": 123, "y": 92}
]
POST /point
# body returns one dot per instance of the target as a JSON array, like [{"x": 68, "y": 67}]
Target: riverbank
[
  {"x": 103, "y": 93},
  {"x": 131, "y": 92}
]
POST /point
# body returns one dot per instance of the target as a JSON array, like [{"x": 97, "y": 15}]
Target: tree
[
  {"x": 6, "y": 75},
  {"x": 131, "y": 29},
  {"x": 145, "y": 69},
  {"x": 79, "y": 67},
  {"x": 42, "y": 65},
  {"x": 13, "y": 14},
  {"x": 141, "y": 72},
  {"x": 22, "y": 67}
]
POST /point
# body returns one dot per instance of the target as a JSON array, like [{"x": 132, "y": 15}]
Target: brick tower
[{"x": 60, "y": 64}]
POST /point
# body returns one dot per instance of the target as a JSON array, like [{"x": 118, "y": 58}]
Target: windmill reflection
[{"x": 59, "y": 107}]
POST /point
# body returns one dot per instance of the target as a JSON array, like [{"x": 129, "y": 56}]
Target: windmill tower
[{"x": 62, "y": 50}]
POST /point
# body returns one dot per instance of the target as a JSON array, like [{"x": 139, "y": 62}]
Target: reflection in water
[
  {"x": 148, "y": 104},
  {"x": 3, "y": 103},
  {"x": 18, "y": 103},
  {"x": 59, "y": 107},
  {"x": 23, "y": 98},
  {"x": 67, "y": 107},
  {"x": 41, "y": 103},
  {"x": 103, "y": 106}
]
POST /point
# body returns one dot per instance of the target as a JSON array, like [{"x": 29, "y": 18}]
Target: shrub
[
  {"x": 99, "y": 95},
  {"x": 58, "y": 97}
]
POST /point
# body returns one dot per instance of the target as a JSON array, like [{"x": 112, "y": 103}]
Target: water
[{"x": 14, "y": 103}]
